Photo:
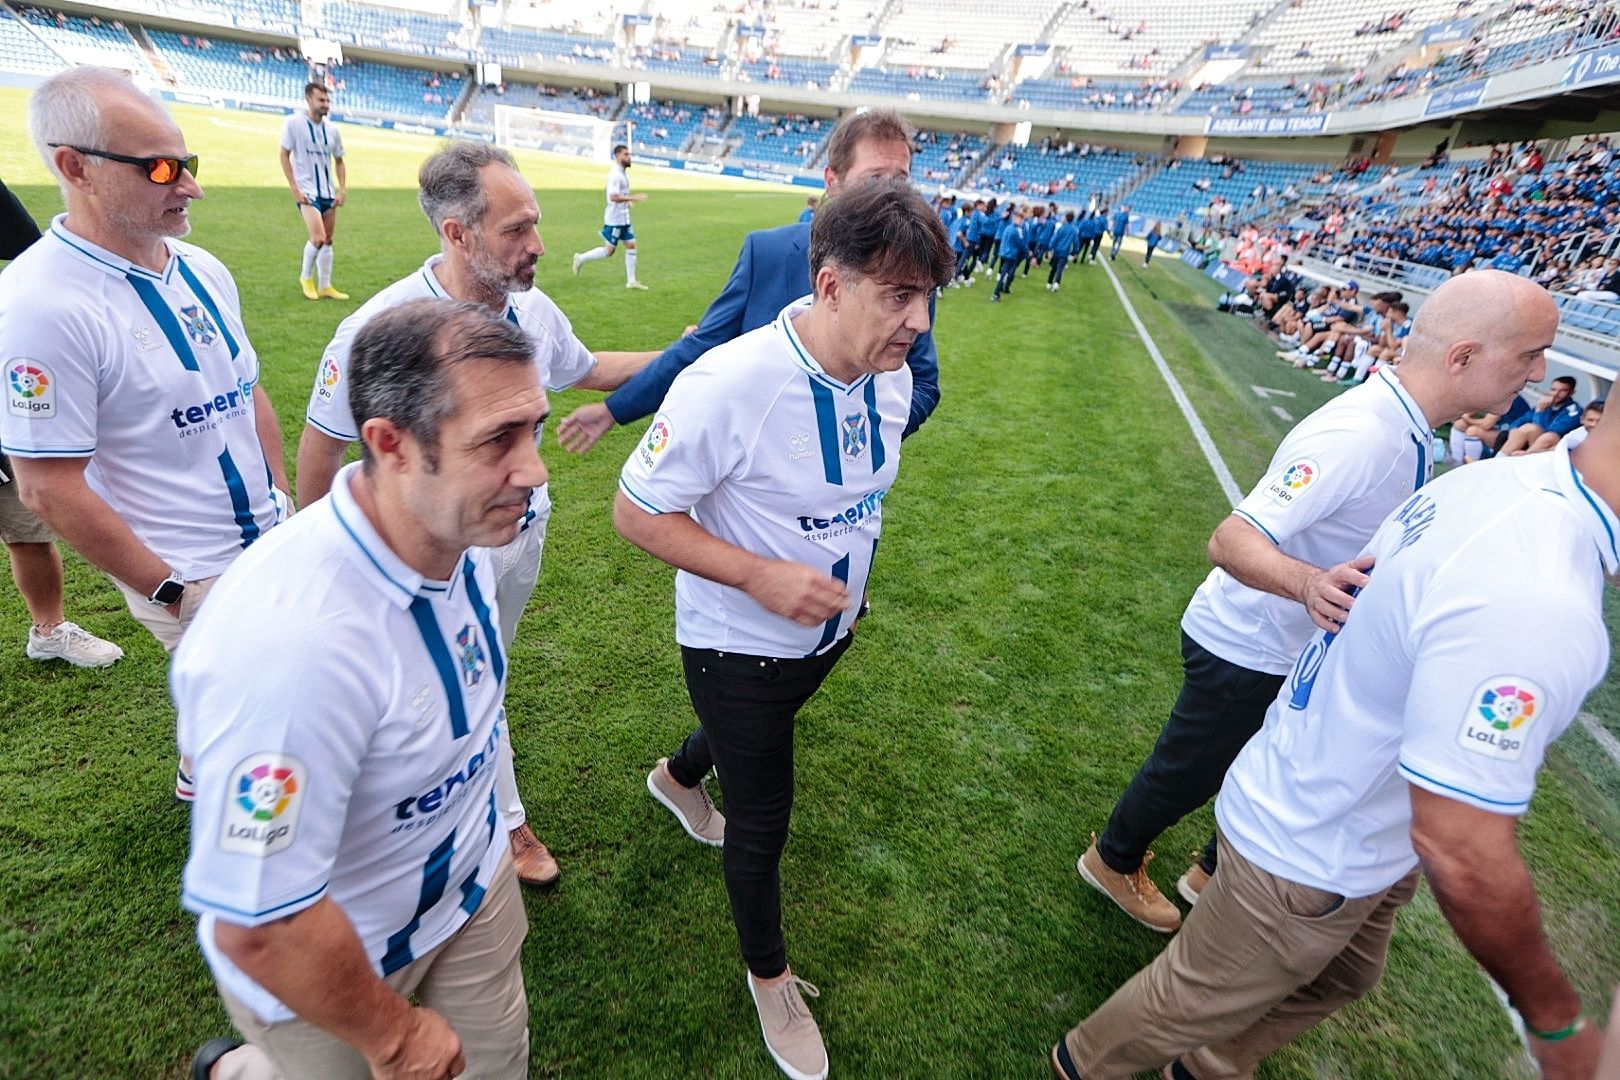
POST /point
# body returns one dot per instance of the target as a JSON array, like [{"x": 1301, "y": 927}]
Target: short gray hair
[
  {"x": 66, "y": 109},
  {"x": 399, "y": 364},
  {"x": 449, "y": 184}
]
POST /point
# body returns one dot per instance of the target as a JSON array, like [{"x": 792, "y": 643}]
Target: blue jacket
[
  {"x": 1122, "y": 221},
  {"x": 1040, "y": 237},
  {"x": 1092, "y": 227},
  {"x": 1013, "y": 243},
  {"x": 976, "y": 226},
  {"x": 806, "y": 214},
  {"x": 1066, "y": 240},
  {"x": 772, "y": 271}
]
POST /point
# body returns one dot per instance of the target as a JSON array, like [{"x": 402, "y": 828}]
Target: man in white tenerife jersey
[
  {"x": 312, "y": 162},
  {"x": 616, "y": 228},
  {"x": 762, "y": 480},
  {"x": 487, "y": 221},
  {"x": 1412, "y": 738},
  {"x": 346, "y": 854},
  {"x": 144, "y": 440},
  {"x": 1289, "y": 559}
]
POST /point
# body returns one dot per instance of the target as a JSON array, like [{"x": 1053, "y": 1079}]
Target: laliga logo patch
[
  {"x": 1496, "y": 722},
  {"x": 472, "y": 655},
  {"x": 854, "y": 433},
  {"x": 329, "y": 378},
  {"x": 1284, "y": 487},
  {"x": 657, "y": 440},
  {"x": 30, "y": 390},
  {"x": 199, "y": 327},
  {"x": 261, "y": 813}
]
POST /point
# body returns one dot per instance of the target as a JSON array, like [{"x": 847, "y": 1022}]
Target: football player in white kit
[
  {"x": 312, "y": 161},
  {"x": 616, "y": 228}
]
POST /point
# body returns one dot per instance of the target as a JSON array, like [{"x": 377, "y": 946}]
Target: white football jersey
[
  {"x": 618, "y": 183},
  {"x": 314, "y": 147},
  {"x": 772, "y": 454},
  {"x": 345, "y": 715},
  {"x": 1331, "y": 482},
  {"x": 1469, "y": 652},
  {"x": 151, "y": 377}
]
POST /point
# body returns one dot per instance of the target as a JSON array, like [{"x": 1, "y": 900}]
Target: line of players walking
[{"x": 1004, "y": 238}]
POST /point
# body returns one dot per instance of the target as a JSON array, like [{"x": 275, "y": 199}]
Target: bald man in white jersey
[{"x": 150, "y": 447}]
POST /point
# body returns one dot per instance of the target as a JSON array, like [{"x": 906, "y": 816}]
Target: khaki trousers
[
  {"x": 1258, "y": 962},
  {"x": 473, "y": 980},
  {"x": 165, "y": 627}
]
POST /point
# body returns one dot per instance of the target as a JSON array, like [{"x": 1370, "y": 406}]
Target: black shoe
[{"x": 208, "y": 1055}]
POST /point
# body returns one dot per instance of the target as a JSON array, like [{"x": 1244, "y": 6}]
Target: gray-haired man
[{"x": 488, "y": 225}]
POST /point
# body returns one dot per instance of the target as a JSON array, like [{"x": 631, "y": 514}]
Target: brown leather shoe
[{"x": 533, "y": 862}]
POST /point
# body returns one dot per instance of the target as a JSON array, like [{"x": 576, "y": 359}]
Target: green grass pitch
[{"x": 1046, "y": 531}]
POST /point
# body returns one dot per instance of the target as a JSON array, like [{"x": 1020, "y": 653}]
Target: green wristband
[{"x": 1575, "y": 1027}]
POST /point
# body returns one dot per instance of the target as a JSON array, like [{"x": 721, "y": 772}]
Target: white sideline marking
[
  {"x": 1601, "y": 735},
  {"x": 1268, "y": 391},
  {"x": 1200, "y": 433},
  {"x": 1282, "y": 413}
]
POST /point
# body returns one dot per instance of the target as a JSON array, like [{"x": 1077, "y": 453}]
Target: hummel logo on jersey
[
  {"x": 143, "y": 339},
  {"x": 800, "y": 441},
  {"x": 854, "y": 429},
  {"x": 472, "y": 655},
  {"x": 199, "y": 327},
  {"x": 207, "y": 415}
]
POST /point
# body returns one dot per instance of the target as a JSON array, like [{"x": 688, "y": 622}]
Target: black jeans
[
  {"x": 1220, "y": 707},
  {"x": 745, "y": 707},
  {"x": 1004, "y": 279}
]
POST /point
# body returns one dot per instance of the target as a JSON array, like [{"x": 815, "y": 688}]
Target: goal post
[{"x": 540, "y": 129}]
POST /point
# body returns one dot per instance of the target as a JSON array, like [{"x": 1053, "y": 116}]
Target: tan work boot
[
  {"x": 1135, "y": 894},
  {"x": 692, "y": 807},
  {"x": 1191, "y": 884},
  {"x": 790, "y": 1031},
  {"x": 531, "y": 860}
]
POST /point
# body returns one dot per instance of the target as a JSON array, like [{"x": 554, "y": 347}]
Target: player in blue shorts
[
  {"x": 311, "y": 153},
  {"x": 616, "y": 228}
]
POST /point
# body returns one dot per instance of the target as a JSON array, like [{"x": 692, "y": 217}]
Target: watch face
[{"x": 168, "y": 593}]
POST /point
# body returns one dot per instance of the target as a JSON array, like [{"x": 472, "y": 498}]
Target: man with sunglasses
[
  {"x": 311, "y": 153},
  {"x": 133, "y": 416}
]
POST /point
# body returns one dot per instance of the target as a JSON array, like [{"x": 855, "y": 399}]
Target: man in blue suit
[{"x": 772, "y": 271}]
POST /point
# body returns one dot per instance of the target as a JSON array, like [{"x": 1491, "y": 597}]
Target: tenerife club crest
[
  {"x": 471, "y": 654},
  {"x": 199, "y": 327},
  {"x": 854, "y": 435}
]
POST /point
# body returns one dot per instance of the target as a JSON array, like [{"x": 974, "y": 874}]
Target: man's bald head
[{"x": 1484, "y": 334}]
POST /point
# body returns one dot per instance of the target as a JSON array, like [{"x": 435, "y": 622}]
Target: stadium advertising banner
[
  {"x": 1308, "y": 124},
  {"x": 1454, "y": 98},
  {"x": 1449, "y": 33},
  {"x": 1031, "y": 50},
  {"x": 1226, "y": 52},
  {"x": 1594, "y": 66}
]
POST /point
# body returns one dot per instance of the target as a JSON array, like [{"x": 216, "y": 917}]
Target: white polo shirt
[
  {"x": 1331, "y": 482},
  {"x": 344, "y": 715},
  {"x": 1471, "y": 650},
  {"x": 150, "y": 376},
  {"x": 314, "y": 147},
  {"x": 772, "y": 454},
  {"x": 562, "y": 358},
  {"x": 618, "y": 183}
]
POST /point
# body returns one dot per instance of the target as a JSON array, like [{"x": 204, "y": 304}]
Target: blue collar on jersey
[
  {"x": 1420, "y": 426},
  {"x": 393, "y": 578},
  {"x": 438, "y": 290},
  {"x": 801, "y": 355},
  {"x": 1599, "y": 517}
]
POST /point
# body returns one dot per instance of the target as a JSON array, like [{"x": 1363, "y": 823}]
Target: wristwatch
[{"x": 169, "y": 592}]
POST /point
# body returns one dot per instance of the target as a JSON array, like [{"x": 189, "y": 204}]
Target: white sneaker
[
  {"x": 576, "y": 265},
  {"x": 791, "y": 1034},
  {"x": 74, "y": 644},
  {"x": 634, "y": 285}
]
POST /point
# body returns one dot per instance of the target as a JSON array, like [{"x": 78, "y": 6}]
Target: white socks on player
[
  {"x": 593, "y": 254},
  {"x": 323, "y": 263},
  {"x": 308, "y": 271},
  {"x": 630, "y": 265}
]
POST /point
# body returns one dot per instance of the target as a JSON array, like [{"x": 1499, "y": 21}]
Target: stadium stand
[
  {"x": 790, "y": 70},
  {"x": 394, "y": 29},
  {"x": 1081, "y": 92},
  {"x": 666, "y": 59},
  {"x": 378, "y": 88},
  {"x": 1064, "y": 172},
  {"x": 785, "y": 141},
  {"x": 88, "y": 39},
  {"x": 583, "y": 100},
  {"x": 693, "y": 24},
  {"x": 668, "y": 126},
  {"x": 813, "y": 28},
  {"x": 576, "y": 18},
  {"x": 216, "y": 64},
  {"x": 945, "y": 158},
  {"x": 1186, "y": 187},
  {"x": 915, "y": 83},
  {"x": 1147, "y": 37},
  {"x": 21, "y": 49},
  {"x": 934, "y": 33},
  {"x": 512, "y": 45},
  {"x": 1342, "y": 35}
]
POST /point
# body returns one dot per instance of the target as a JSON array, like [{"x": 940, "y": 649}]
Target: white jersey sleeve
[
  {"x": 263, "y": 847},
  {"x": 329, "y": 408},
  {"x": 51, "y": 357},
  {"x": 689, "y": 448},
  {"x": 288, "y": 142},
  {"x": 1477, "y": 721},
  {"x": 564, "y": 359},
  {"x": 1310, "y": 478},
  {"x": 335, "y": 134}
]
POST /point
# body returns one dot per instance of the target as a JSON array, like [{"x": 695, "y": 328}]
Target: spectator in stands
[
  {"x": 1608, "y": 287},
  {"x": 1554, "y": 416},
  {"x": 1340, "y": 316},
  {"x": 1276, "y": 290}
]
